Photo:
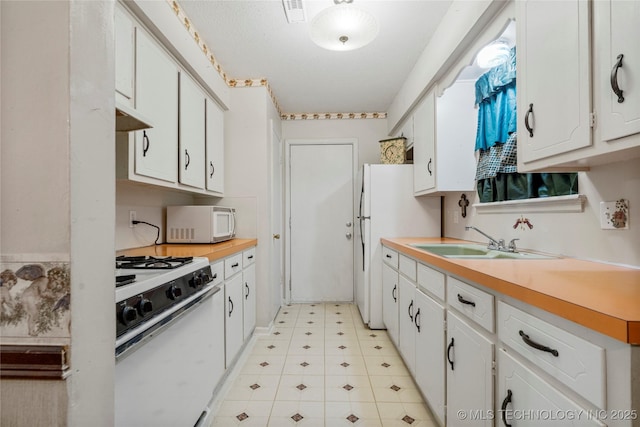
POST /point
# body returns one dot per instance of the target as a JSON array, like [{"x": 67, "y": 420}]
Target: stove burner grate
[{"x": 151, "y": 263}]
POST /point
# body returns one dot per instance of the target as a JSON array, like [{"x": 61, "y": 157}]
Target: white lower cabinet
[
  {"x": 249, "y": 300},
  {"x": 469, "y": 375},
  {"x": 548, "y": 371},
  {"x": 429, "y": 355},
  {"x": 233, "y": 320},
  {"x": 407, "y": 312},
  {"x": 390, "y": 301},
  {"x": 525, "y": 399},
  {"x": 217, "y": 331}
]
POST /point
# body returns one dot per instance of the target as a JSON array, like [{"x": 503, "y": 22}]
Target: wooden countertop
[
  {"x": 213, "y": 251},
  {"x": 602, "y": 297}
]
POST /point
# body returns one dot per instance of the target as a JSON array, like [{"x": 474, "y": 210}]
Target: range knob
[
  {"x": 206, "y": 278},
  {"x": 128, "y": 314},
  {"x": 195, "y": 281},
  {"x": 144, "y": 306},
  {"x": 174, "y": 292}
]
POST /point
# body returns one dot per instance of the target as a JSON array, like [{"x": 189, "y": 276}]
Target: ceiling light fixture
[
  {"x": 495, "y": 53},
  {"x": 343, "y": 27}
]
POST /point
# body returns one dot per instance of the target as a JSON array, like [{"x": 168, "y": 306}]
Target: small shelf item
[{"x": 393, "y": 151}]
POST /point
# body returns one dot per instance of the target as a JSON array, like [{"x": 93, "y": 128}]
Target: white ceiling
[{"x": 251, "y": 39}]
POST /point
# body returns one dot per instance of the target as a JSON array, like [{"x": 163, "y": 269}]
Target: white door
[
  {"x": 321, "y": 222},
  {"x": 192, "y": 133},
  {"x": 276, "y": 269},
  {"x": 390, "y": 301},
  {"x": 406, "y": 316}
]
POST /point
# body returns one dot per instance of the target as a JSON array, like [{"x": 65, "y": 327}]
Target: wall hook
[{"x": 463, "y": 203}]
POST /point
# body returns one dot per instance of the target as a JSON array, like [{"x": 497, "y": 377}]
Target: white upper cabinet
[
  {"x": 616, "y": 35},
  {"x": 214, "y": 148},
  {"x": 191, "y": 155},
  {"x": 554, "y": 79},
  {"x": 124, "y": 56},
  {"x": 444, "y": 138},
  {"x": 424, "y": 140},
  {"x": 156, "y": 149}
]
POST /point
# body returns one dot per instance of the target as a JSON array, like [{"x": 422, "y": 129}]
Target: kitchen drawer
[
  {"x": 248, "y": 257},
  {"x": 390, "y": 257},
  {"x": 474, "y": 303},
  {"x": 232, "y": 265},
  {"x": 431, "y": 281},
  {"x": 570, "y": 359},
  {"x": 217, "y": 271},
  {"x": 408, "y": 267}
]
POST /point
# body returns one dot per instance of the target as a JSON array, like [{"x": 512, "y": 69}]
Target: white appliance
[
  {"x": 169, "y": 352},
  {"x": 200, "y": 224},
  {"x": 387, "y": 208}
]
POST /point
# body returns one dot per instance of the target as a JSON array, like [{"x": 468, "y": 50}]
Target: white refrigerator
[{"x": 387, "y": 208}]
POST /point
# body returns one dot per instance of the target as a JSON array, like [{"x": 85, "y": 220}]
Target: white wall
[
  {"x": 248, "y": 183},
  {"x": 149, "y": 202},
  {"x": 367, "y": 131},
  {"x": 572, "y": 234},
  {"x": 58, "y": 183}
]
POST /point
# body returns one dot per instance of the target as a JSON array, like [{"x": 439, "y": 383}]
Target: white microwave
[{"x": 200, "y": 224}]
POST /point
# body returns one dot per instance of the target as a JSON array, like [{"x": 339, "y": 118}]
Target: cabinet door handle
[
  {"x": 187, "y": 159},
  {"x": 230, "y": 306},
  {"x": 246, "y": 285},
  {"x": 464, "y": 301},
  {"x": 449, "y": 347},
  {"x": 429, "y": 166},
  {"x": 416, "y": 319},
  {"x": 505, "y": 402},
  {"x": 410, "y": 311},
  {"x": 145, "y": 143},
  {"x": 212, "y": 169},
  {"x": 537, "y": 346},
  {"x": 614, "y": 79},
  {"x": 526, "y": 120},
  {"x": 393, "y": 293}
]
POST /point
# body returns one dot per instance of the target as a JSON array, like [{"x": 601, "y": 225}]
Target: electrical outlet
[
  {"x": 614, "y": 215},
  {"x": 132, "y": 217}
]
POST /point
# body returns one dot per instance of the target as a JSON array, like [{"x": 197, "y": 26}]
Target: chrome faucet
[{"x": 493, "y": 243}]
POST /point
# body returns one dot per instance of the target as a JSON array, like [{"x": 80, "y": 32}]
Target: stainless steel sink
[{"x": 474, "y": 251}]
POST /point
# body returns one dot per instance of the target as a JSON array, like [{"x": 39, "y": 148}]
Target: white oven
[
  {"x": 200, "y": 224},
  {"x": 169, "y": 352}
]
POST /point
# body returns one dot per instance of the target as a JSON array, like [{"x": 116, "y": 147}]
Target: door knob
[
  {"x": 276, "y": 236},
  {"x": 348, "y": 235}
]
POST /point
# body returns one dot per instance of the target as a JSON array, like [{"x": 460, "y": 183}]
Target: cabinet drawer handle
[
  {"x": 429, "y": 166},
  {"x": 526, "y": 120},
  {"x": 449, "y": 347},
  {"x": 537, "y": 346},
  {"x": 234, "y": 265},
  {"x": 187, "y": 159},
  {"x": 388, "y": 256},
  {"x": 410, "y": 311},
  {"x": 464, "y": 301},
  {"x": 246, "y": 285},
  {"x": 145, "y": 143},
  {"x": 393, "y": 293},
  {"x": 250, "y": 257},
  {"x": 416, "y": 319},
  {"x": 212, "y": 169},
  {"x": 614, "y": 79},
  {"x": 505, "y": 402},
  {"x": 230, "y": 306}
]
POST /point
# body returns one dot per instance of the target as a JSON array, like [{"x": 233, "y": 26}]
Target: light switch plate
[{"x": 614, "y": 215}]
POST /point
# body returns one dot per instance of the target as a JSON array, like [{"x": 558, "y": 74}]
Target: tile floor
[{"x": 320, "y": 366}]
